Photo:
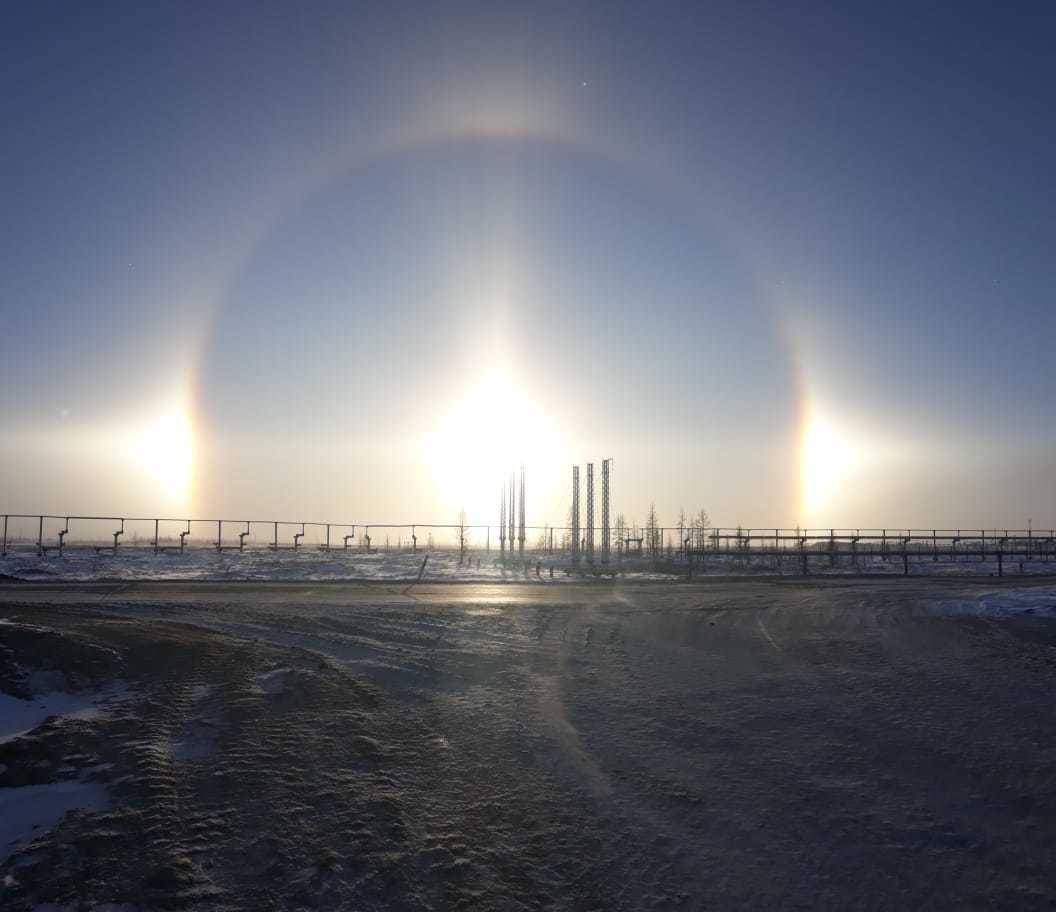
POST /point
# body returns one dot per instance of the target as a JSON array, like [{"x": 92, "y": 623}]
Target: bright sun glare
[
  {"x": 488, "y": 431},
  {"x": 165, "y": 449},
  {"x": 825, "y": 461}
]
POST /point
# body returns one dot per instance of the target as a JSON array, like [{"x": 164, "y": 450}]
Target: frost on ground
[{"x": 754, "y": 744}]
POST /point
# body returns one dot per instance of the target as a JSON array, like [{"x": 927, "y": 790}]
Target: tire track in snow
[{"x": 766, "y": 633}]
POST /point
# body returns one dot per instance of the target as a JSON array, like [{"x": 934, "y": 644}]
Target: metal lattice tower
[
  {"x": 520, "y": 527},
  {"x": 575, "y": 512},
  {"x": 513, "y": 508},
  {"x": 590, "y": 512},
  {"x": 605, "y": 547},
  {"x": 502, "y": 520}
]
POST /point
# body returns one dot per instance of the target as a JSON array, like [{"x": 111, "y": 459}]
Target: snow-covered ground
[
  {"x": 18, "y": 716},
  {"x": 83, "y": 564},
  {"x": 310, "y": 563},
  {"x": 1039, "y": 601},
  {"x": 29, "y": 808},
  {"x": 825, "y": 744}
]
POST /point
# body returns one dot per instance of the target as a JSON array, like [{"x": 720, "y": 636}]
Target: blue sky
[{"x": 790, "y": 262}]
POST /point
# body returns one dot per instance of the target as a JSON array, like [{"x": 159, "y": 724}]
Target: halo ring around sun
[{"x": 297, "y": 194}]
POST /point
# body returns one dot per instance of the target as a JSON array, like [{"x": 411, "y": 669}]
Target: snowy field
[
  {"x": 764, "y": 744},
  {"x": 309, "y": 563}
]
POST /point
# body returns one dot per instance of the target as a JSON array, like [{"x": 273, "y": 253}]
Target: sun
[
  {"x": 825, "y": 461},
  {"x": 490, "y": 429},
  {"x": 165, "y": 451}
]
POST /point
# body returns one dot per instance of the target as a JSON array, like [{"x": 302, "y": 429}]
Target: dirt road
[{"x": 837, "y": 744}]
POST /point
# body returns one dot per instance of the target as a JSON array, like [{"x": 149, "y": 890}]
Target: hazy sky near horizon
[{"x": 788, "y": 262}]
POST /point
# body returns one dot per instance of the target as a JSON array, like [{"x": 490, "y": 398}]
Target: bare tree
[
  {"x": 700, "y": 523},
  {"x": 463, "y": 535},
  {"x": 652, "y": 532},
  {"x": 619, "y": 529}
]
